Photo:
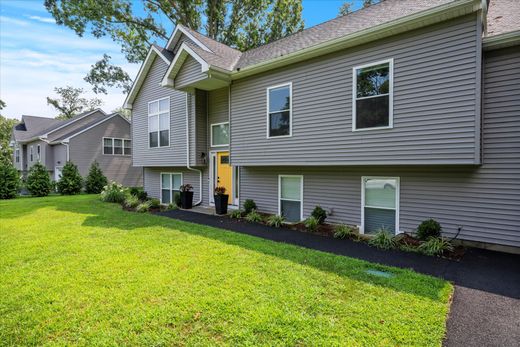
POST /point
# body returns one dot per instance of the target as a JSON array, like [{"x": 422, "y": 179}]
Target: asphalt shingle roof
[
  {"x": 503, "y": 16},
  {"x": 33, "y": 126}
]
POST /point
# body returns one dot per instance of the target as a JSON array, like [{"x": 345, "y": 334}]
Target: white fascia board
[
  {"x": 509, "y": 39},
  {"x": 141, "y": 75},
  {"x": 175, "y": 66},
  {"x": 177, "y": 33}
]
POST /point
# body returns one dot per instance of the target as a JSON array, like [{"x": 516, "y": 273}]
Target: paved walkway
[{"x": 486, "y": 304}]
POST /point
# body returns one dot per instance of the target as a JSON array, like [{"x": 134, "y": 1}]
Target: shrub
[
  {"x": 343, "y": 231},
  {"x": 39, "y": 181},
  {"x": 155, "y": 203},
  {"x": 70, "y": 182},
  {"x": 435, "y": 246},
  {"x": 139, "y": 192},
  {"x": 254, "y": 216},
  {"x": 275, "y": 221},
  {"x": 311, "y": 224},
  {"x": 143, "y": 207},
  {"x": 383, "y": 239},
  {"x": 9, "y": 181},
  {"x": 95, "y": 180},
  {"x": 177, "y": 199},
  {"x": 172, "y": 207},
  {"x": 249, "y": 205},
  {"x": 131, "y": 201},
  {"x": 320, "y": 214},
  {"x": 429, "y": 228},
  {"x": 114, "y": 192},
  {"x": 236, "y": 214}
]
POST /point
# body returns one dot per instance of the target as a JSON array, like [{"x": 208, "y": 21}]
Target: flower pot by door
[
  {"x": 221, "y": 203},
  {"x": 187, "y": 200}
]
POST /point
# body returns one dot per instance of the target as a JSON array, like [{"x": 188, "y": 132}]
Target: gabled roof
[{"x": 93, "y": 123}]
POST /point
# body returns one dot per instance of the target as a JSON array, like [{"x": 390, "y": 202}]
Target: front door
[
  {"x": 57, "y": 173},
  {"x": 225, "y": 174}
]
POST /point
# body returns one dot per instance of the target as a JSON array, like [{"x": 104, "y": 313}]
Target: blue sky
[{"x": 37, "y": 55}]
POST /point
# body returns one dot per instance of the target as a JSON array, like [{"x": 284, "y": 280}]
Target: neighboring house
[
  {"x": 393, "y": 114},
  {"x": 88, "y": 137}
]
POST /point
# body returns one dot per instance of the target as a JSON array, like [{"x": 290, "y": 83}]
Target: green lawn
[{"x": 74, "y": 270}]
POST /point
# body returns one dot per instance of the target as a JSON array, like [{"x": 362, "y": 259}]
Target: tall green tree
[
  {"x": 38, "y": 180},
  {"x": 346, "y": 8},
  {"x": 71, "y": 102},
  {"x": 242, "y": 24},
  {"x": 6, "y": 129}
]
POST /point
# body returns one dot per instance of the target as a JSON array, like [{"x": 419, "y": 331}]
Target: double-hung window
[
  {"x": 159, "y": 123},
  {"x": 219, "y": 134},
  {"x": 373, "y": 96},
  {"x": 118, "y": 146},
  {"x": 31, "y": 153},
  {"x": 279, "y": 110},
  {"x": 114, "y": 146},
  {"x": 290, "y": 197},
  {"x": 170, "y": 186},
  {"x": 38, "y": 152},
  {"x": 127, "y": 147},
  {"x": 380, "y": 204},
  {"x": 17, "y": 155},
  {"x": 108, "y": 147}
]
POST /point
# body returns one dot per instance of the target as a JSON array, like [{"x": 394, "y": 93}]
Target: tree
[
  {"x": 39, "y": 181},
  {"x": 6, "y": 129},
  {"x": 123, "y": 112},
  {"x": 9, "y": 181},
  {"x": 95, "y": 180},
  {"x": 242, "y": 24},
  {"x": 71, "y": 102},
  {"x": 70, "y": 182},
  {"x": 346, "y": 8}
]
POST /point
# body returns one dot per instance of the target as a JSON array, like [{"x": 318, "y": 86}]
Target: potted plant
[
  {"x": 186, "y": 196},
  {"x": 221, "y": 200}
]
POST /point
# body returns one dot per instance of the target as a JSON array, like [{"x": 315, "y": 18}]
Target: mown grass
[{"x": 74, "y": 270}]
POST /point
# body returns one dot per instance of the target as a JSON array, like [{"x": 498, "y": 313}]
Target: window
[
  {"x": 279, "y": 110},
  {"x": 373, "y": 96},
  {"x": 170, "y": 186},
  {"x": 159, "y": 123},
  {"x": 17, "y": 155},
  {"x": 38, "y": 151},
  {"x": 108, "y": 146},
  {"x": 115, "y": 146},
  {"x": 127, "y": 147},
  {"x": 380, "y": 204},
  {"x": 290, "y": 196},
  {"x": 31, "y": 152},
  {"x": 219, "y": 134}
]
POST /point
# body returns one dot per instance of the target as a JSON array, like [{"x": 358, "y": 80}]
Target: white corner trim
[
  {"x": 179, "y": 59},
  {"x": 174, "y": 38}
]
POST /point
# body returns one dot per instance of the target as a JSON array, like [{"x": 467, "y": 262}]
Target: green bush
[
  {"x": 38, "y": 181},
  {"x": 155, "y": 203},
  {"x": 383, "y": 239},
  {"x": 139, "y": 192},
  {"x": 177, "y": 199},
  {"x": 275, "y": 221},
  {"x": 114, "y": 192},
  {"x": 236, "y": 214},
  {"x": 428, "y": 228},
  {"x": 131, "y": 201},
  {"x": 9, "y": 181},
  {"x": 249, "y": 205},
  {"x": 343, "y": 231},
  {"x": 435, "y": 246},
  {"x": 143, "y": 207},
  {"x": 172, "y": 207},
  {"x": 254, "y": 216},
  {"x": 95, "y": 180},
  {"x": 320, "y": 214},
  {"x": 311, "y": 224},
  {"x": 70, "y": 182}
]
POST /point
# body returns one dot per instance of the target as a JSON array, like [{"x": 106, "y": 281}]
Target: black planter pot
[
  {"x": 221, "y": 203},
  {"x": 186, "y": 200}
]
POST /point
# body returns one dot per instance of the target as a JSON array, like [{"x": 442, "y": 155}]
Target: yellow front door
[{"x": 225, "y": 174}]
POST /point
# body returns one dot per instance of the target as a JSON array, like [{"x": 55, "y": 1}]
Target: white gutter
[
  {"x": 66, "y": 144},
  {"x": 188, "y": 153}
]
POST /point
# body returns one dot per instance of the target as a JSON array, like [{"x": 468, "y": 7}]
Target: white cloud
[
  {"x": 9, "y": 20},
  {"x": 42, "y": 19}
]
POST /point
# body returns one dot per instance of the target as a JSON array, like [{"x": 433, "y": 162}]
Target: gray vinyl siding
[
  {"x": 436, "y": 104},
  {"x": 200, "y": 132},
  {"x": 152, "y": 183},
  {"x": 189, "y": 73},
  {"x": 87, "y": 147},
  {"x": 218, "y": 101},
  {"x": 151, "y": 90},
  {"x": 44, "y": 149},
  {"x": 59, "y": 155},
  {"x": 75, "y": 125}
]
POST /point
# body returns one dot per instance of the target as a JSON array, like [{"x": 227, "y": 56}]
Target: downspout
[
  {"x": 66, "y": 144},
  {"x": 188, "y": 153}
]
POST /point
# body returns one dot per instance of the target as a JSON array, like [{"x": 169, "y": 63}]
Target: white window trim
[
  {"x": 390, "y": 94},
  {"x": 171, "y": 184},
  {"x": 113, "y": 146},
  {"x": 288, "y": 84},
  {"x": 17, "y": 155},
  {"x": 39, "y": 152},
  {"x": 158, "y": 123},
  {"x": 211, "y": 134},
  {"x": 31, "y": 153},
  {"x": 127, "y": 155},
  {"x": 397, "y": 200},
  {"x": 280, "y": 194}
]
